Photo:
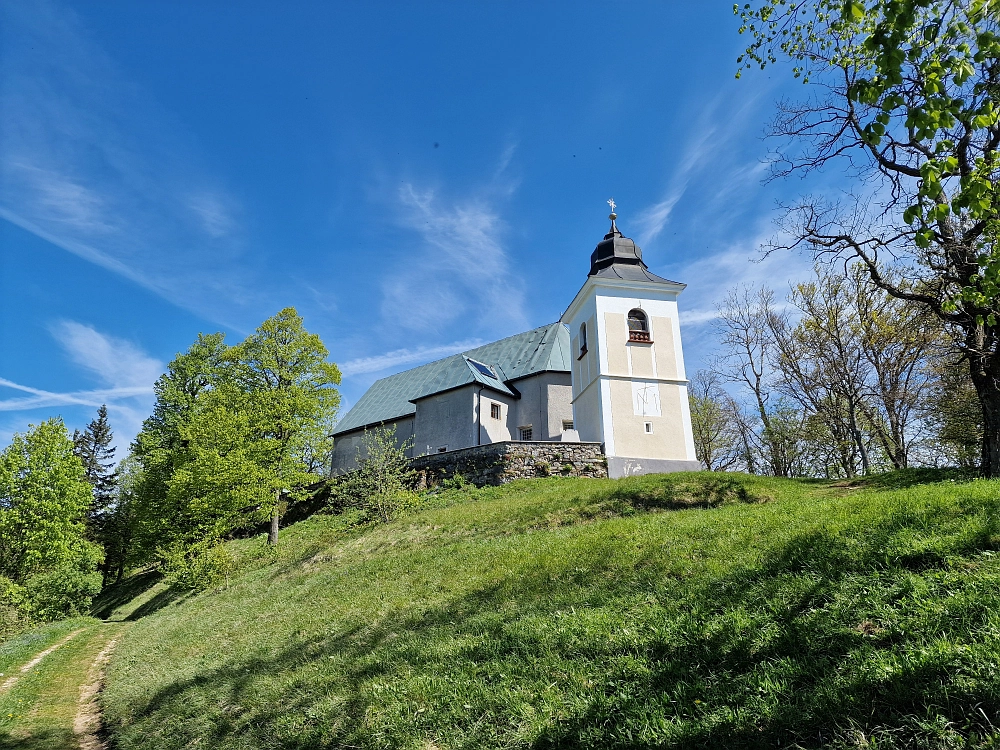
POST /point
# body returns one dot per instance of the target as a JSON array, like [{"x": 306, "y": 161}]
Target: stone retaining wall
[{"x": 499, "y": 463}]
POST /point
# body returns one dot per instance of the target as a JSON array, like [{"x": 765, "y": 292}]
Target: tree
[
  {"x": 235, "y": 430},
  {"x": 953, "y": 413},
  {"x": 907, "y": 98},
  {"x": 744, "y": 327},
  {"x": 120, "y": 522},
  {"x": 160, "y": 517},
  {"x": 823, "y": 367},
  {"x": 898, "y": 339},
  {"x": 379, "y": 485},
  {"x": 717, "y": 439},
  {"x": 44, "y": 496},
  {"x": 283, "y": 371},
  {"x": 94, "y": 448}
]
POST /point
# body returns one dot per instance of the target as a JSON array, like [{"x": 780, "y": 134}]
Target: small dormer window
[
  {"x": 638, "y": 326},
  {"x": 583, "y": 339}
]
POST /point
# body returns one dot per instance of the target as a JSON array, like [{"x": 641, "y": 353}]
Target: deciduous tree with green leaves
[
  {"x": 44, "y": 497},
  {"x": 160, "y": 517},
  {"x": 380, "y": 484},
  {"x": 906, "y": 95},
  {"x": 281, "y": 370}
]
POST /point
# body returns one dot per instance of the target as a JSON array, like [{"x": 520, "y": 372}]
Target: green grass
[
  {"x": 19, "y": 650},
  {"x": 37, "y": 712},
  {"x": 697, "y": 610}
]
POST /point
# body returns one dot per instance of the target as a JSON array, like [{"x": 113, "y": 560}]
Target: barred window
[
  {"x": 637, "y": 321},
  {"x": 526, "y": 433},
  {"x": 638, "y": 327}
]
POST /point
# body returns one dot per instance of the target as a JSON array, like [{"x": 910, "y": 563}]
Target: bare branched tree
[
  {"x": 717, "y": 438},
  {"x": 906, "y": 97},
  {"x": 748, "y": 354}
]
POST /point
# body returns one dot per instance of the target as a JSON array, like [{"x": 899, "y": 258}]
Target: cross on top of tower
[{"x": 611, "y": 202}]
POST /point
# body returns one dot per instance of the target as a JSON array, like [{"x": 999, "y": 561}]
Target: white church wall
[
  {"x": 446, "y": 420},
  {"x": 546, "y": 400},
  {"x": 497, "y": 430},
  {"x": 669, "y": 362},
  {"x": 559, "y": 398},
  {"x": 346, "y": 447},
  {"x": 664, "y": 438},
  {"x": 587, "y": 415}
]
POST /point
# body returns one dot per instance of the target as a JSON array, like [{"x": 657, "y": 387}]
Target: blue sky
[{"x": 415, "y": 178}]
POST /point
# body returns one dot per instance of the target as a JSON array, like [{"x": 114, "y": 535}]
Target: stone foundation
[
  {"x": 623, "y": 466},
  {"x": 499, "y": 463}
]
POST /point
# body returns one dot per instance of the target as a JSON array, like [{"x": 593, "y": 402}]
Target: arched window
[
  {"x": 583, "y": 339},
  {"x": 638, "y": 326}
]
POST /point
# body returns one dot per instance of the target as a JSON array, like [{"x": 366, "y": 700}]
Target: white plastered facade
[{"x": 631, "y": 396}]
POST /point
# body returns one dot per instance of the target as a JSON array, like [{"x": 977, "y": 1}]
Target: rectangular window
[
  {"x": 526, "y": 433},
  {"x": 567, "y": 424},
  {"x": 648, "y": 426},
  {"x": 495, "y": 411}
]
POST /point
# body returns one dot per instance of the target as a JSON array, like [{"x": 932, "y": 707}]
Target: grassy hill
[{"x": 690, "y": 610}]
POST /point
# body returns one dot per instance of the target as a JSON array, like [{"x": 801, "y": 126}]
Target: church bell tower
[{"x": 629, "y": 385}]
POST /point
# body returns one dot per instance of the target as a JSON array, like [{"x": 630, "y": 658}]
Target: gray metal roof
[
  {"x": 618, "y": 257},
  {"x": 541, "y": 350}
]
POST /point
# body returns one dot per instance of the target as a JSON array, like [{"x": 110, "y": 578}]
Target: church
[{"x": 610, "y": 372}]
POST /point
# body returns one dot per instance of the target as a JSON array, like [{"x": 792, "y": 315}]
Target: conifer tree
[{"x": 94, "y": 448}]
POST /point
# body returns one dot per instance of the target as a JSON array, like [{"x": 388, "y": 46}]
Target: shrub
[
  {"x": 197, "y": 566},
  {"x": 13, "y": 610},
  {"x": 66, "y": 591},
  {"x": 380, "y": 484}
]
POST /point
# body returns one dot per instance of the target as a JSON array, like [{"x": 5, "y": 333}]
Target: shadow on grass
[
  {"x": 170, "y": 595},
  {"x": 757, "y": 658},
  {"x": 120, "y": 594},
  {"x": 906, "y": 478},
  {"x": 44, "y": 740},
  {"x": 704, "y": 490}
]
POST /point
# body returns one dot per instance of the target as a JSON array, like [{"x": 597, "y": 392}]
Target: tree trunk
[
  {"x": 272, "y": 535},
  {"x": 859, "y": 439},
  {"x": 989, "y": 399},
  {"x": 984, "y": 367}
]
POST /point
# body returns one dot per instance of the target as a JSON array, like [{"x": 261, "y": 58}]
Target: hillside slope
[{"x": 591, "y": 613}]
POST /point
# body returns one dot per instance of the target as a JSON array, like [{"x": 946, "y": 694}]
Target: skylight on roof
[{"x": 483, "y": 369}]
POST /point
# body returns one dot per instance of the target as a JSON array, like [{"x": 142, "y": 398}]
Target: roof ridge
[
  {"x": 466, "y": 352},
  {"x": 512, "y": 357}
]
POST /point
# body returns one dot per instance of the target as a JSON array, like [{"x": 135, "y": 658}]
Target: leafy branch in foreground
[{"x": 907, "y": 99}]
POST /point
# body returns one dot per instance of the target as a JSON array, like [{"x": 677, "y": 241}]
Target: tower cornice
[{"x": 641, "y": 289}]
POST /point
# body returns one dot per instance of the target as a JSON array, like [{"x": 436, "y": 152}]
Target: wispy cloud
[
  {"x": 652, "y": 219},
  {"x": 126, "y": 372},
  {"x": 39, "y": 398},
  {"x": 705, "y": 160},
  {"x": 115, "y": 361},
  {"x": 94, "y": 165},
  {"x": 461, "y": 270},
  {"x": 399, "y": 357},
  {"x": 711, "y": 277}
]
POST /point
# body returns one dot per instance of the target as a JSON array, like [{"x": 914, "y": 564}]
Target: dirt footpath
[{"x": 52, "y": 701}]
